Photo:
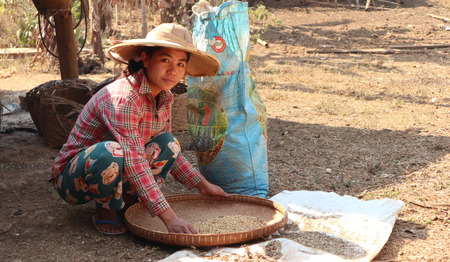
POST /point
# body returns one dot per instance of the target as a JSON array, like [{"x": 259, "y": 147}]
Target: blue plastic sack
[{"x": 226, "y": 115}]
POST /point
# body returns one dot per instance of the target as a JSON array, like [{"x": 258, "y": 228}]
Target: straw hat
[{"x": 168, "y": 35}]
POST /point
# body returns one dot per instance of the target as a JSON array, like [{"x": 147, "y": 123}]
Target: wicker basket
[
  {"x": 196, "y": 207},
  {"x": 179, "y": 113},
  {"x": 179, "y": 107},
  {"x": 55, "y": 105}
]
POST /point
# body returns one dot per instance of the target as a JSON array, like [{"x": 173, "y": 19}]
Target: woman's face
[{"x": 164, "y": 69}]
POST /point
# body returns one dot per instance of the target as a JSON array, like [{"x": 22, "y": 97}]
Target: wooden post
[{"x": 67, "y": 49}]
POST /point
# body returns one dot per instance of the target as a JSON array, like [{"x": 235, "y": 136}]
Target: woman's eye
[
  {"x": 182, "y": 64},
  {"x": 166, "y": 60}
]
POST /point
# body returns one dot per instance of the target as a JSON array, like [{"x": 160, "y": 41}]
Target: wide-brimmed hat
[{"x": 169, "y": 35}]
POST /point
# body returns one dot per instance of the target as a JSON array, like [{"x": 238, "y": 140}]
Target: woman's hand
[
  {"x": 175, "y": 224},
  {"x": 207, "y": 188}
]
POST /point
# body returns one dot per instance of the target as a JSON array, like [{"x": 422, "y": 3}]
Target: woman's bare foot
[{"x": 113, "y": 223}]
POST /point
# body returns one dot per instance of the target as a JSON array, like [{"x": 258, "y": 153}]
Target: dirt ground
[{"x": 371, "y": 124}]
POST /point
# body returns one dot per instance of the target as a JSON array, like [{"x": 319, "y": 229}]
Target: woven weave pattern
[
  {"x": 179, "y": 107},
  {"x": 179, "y": 115},
  {"x": 196, "y": 207},
  {"x": 55, "y": 105}
]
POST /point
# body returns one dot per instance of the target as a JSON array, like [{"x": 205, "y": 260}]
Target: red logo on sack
[{"x": 218, "y": 44}]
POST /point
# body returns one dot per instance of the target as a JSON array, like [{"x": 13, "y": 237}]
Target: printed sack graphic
[{"x": 226, "y": 115}]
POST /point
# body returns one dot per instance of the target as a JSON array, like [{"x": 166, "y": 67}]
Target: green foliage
[
  {"x": 17, "y": 19},
  {"x": 261, "y": 18},
  {"x": 27, "y": 23},
  {"x": 259, "y": 15},
  {"x": 76, "y": 11},
  {"x": 77, "y": 16}
]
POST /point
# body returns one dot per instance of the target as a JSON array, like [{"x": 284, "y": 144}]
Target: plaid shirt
[{"x": 126, "y": 112}]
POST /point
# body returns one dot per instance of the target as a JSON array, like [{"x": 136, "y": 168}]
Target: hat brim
[{"x": 200, "y": 63}]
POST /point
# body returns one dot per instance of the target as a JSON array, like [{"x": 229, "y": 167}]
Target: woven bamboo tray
[{"x": 197, "y": 207}]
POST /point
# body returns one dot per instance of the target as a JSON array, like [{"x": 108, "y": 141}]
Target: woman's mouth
[{"x": 169, "y": 81}]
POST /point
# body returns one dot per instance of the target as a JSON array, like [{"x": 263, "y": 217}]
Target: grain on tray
[{"x": 229, "y": 224}]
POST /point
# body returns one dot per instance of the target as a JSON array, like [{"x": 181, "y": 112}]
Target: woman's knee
[
  {"x": 105, "y": 161},
  {"x": 106, "y": 152},
  {"x": 164, "y": 144}
]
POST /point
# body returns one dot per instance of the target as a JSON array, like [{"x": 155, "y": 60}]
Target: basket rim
[{"x": 203, "y": 240}]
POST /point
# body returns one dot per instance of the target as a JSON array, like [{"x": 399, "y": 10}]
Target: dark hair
[{"x": 132, "y": 68}]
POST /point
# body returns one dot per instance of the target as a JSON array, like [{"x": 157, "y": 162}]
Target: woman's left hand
[{"x": 210, "y": 189}]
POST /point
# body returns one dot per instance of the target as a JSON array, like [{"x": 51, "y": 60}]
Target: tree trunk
[
  {"x": 144, "y": 18},
  {"x": 67, "y": 49},
  {"x": 96, "y": 39}
]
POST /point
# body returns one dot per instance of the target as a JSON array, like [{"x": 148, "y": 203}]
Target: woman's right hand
[{"x": 175, "y": 224}]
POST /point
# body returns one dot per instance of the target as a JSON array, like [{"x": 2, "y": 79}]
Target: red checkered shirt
[{"x": 126, "y": 112}]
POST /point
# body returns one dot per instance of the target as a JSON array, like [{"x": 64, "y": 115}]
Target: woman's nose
[{"x": 171, "y": 69}]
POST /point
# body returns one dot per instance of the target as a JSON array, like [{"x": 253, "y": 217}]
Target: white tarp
[{"x": 322, "y": 226}]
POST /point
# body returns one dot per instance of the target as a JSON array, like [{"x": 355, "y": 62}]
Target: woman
[{"x": 121, "y": 147}]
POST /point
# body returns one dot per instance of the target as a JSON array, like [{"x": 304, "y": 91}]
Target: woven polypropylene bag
[{"x": 227, "y": 117}]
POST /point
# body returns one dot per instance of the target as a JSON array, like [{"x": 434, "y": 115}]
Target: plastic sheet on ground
[
  {"x": 322, "y": 226},
  {"x": 9, "y": 108}
]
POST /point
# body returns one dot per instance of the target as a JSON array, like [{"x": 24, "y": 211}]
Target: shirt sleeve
[
  {"x": 185, "y": 173},
  {"x": 182, "y": 170},
  {"x": 122, "y": 114}
]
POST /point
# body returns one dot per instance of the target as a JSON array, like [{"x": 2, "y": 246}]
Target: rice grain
[{"x": 228, "y": 224}]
